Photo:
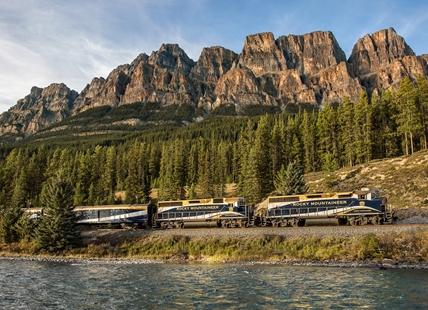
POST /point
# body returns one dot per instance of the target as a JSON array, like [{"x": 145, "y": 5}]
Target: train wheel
[
  {"x": 298, "y": 223},
  {"x": 342, "y": 221},
  {"x": 354, "y": 221}
]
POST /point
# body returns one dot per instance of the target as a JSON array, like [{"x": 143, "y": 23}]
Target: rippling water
[{"x": 40, "y": 285}]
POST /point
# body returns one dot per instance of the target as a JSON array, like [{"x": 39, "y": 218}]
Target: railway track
[{"x": 116, "y": 235}]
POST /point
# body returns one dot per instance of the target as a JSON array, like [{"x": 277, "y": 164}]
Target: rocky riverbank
[
  {"x": 384, "y": 247},
  {"x": 384, "y": 264}
]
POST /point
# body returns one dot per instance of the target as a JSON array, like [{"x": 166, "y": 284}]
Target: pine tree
[
  {"x": 329, "y": 167},
  {"x": 205, "y": 186},
  {"x": 57, "y": 229},
  {"x": 9, "y": 215},
  {"x": 179, "y": 174},
  {"x": 308, "y": 141},
  {"x": 262, "y": 150},
  {"x": 363, "y": 129},
  {"x": 290, "y": 180},
  {"x": 25, "y": 228},
  {"x": 327, "y": 133},
  {"x": 108, "y": 173},
  {"x": 347, "y": 131},
  {"x": 166, "y": 185},
  {"x": 388, "y": 111},
  {"x": 250, "y": 187},
  {"x": 408, "y": 117},
  {"x": 276, "y": 155},
  {"x": 422, "y": 96}
]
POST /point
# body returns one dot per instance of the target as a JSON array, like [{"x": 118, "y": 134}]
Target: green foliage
[
  {"x": 290, "y": 180},
  {"x": 329, "y": 167},
  {"x": 257, "y": 109},
  {"x": 104, "y": 159},
  {"x": 25, "y": 228},
  {"x": 57, "y": 229},
  {"x": 8, "y": 219},
  {"x": 369, "y": 247},
  {"x": 224, "y": 110}
]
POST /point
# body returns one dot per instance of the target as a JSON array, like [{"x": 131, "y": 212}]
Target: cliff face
[
  {"x": 309, "y": 68},
  {"x": 41, "y": 108},
  {"x": 382, "y": 59}
]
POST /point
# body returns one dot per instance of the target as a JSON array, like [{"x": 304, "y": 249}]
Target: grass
[
  {"x": 405, "y": 247},
  {"x": 401, "y": 179}
]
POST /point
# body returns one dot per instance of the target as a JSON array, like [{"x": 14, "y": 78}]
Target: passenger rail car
[
  {"x": 356, "y": 208},
  {"x": 137, "y": 215},
  {"x": 224, "y": 212}
]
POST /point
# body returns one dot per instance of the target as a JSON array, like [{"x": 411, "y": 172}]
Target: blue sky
[{"x": 54, "y": 41}]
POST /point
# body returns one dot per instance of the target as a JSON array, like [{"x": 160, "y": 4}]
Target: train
[{"x": 361, "y": 207}]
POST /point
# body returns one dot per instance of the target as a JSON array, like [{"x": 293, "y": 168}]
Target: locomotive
[
  {"x": 223, "y": 212},
  {"x": 355, "y": 208}
]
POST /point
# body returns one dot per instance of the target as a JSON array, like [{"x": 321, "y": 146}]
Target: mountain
[{"x": 270, "y": 73}]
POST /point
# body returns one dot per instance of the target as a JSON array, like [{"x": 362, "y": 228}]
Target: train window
[
  {"x": 314, "y": 196},
  {"x": 321, "y": 209},
  {"x": 200, "y": 213},
  {"x": 283, "y": 199},
  {"x": 303, "y": 210},
  {"x": 185, "y": 214},
  {"x": 192, "y": 214},
  {"x": 277, "y": 212},
  {"x": 285, "y": 211},
  {"x": 311, "y": 210}
]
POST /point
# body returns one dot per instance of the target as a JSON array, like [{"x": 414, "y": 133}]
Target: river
[{"x": 47, "y": 285}]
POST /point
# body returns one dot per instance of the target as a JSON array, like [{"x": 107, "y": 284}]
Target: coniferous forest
[{"x": 198, "y": 160}]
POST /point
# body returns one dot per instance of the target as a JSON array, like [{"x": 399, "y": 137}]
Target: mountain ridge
[{"x": 294, "y": 69}]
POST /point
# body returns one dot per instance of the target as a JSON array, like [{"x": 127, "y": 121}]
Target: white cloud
[{"x": 52, "y": 41}]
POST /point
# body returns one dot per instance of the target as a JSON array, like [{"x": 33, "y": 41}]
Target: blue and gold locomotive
[
  {"x": 356, "y": 208},
  {"x": 223, "y": 212}
]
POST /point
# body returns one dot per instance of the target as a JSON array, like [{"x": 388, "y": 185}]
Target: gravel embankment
[{"x": 117, "y": 236}]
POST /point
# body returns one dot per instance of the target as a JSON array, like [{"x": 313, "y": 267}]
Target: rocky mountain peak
[
  {"x": 376, "y": 51},
  {"x": 39, "y": 109},
  {"x": 171, "y": 57},
  {"x": 213, "y": 63},
  {"x": 312, "y": 52},
  {"x": 310, "y": 68},
  {"x": 261, "y": 54}
]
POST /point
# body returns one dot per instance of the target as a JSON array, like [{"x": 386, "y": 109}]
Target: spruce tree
[
  {"x": 422, "y": 96},
  {"x": 408, "y": 114},
  {"x": 347, "y": 131},
  {"x": 290, "y": 180},
  {"x": 10, "y": 214},
  {"x": 309, "y": 141},
  {"x": 57, "y": 229},
  {"x": 363, "y": 129}
]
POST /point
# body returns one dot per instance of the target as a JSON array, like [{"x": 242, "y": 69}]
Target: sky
[{"x": 71, "y": 42}]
